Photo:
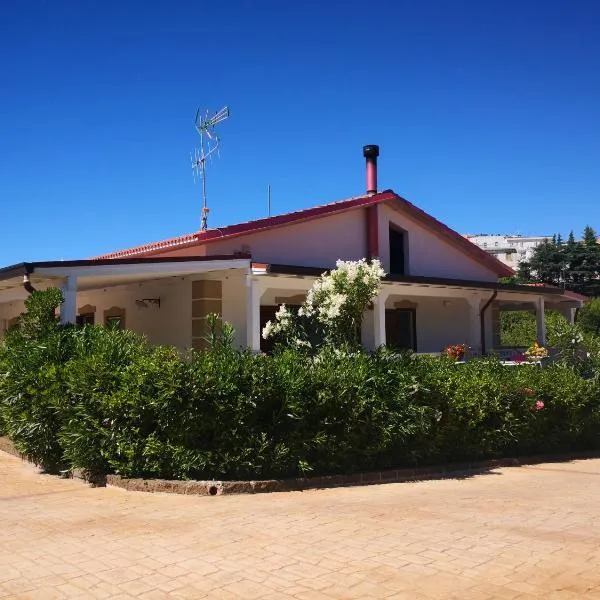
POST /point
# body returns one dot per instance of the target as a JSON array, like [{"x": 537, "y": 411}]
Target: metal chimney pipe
[{"x": 371, "y": 152}]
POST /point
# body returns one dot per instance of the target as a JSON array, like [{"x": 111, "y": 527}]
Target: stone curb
[{"x": 220, "y": 488}]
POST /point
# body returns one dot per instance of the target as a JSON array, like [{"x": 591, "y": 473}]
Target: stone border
[{"x": 220, "y": 488}]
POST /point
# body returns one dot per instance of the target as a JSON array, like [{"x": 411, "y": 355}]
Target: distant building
[{"x": 510, "y": 249}]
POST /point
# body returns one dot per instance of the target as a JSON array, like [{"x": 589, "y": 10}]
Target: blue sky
[{"x": 487, "y": 114}]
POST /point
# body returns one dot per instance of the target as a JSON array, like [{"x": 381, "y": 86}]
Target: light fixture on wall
[
  {"x": 146, "y": 302},
  {"x": 446, "y": 303}
]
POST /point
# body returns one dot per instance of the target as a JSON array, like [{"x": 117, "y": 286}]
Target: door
[{"x": 400, "y": 328}]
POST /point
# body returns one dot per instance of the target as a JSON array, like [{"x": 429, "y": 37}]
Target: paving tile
[{"x": 523, "y": 534}]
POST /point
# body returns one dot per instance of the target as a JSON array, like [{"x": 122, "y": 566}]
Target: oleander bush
[{"x": 105, "y": 400}]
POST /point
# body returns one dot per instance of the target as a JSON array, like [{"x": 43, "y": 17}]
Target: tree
[
  {"x": 574, "y": 265},
  {"x": 588, "y": 317},
  {"x": 546, "y": 264}
]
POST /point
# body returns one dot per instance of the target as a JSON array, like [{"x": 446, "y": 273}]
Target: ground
[{"x": 528, "y": 532}]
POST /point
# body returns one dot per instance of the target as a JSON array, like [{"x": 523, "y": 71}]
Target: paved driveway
[{"x": 530, "y": 532}]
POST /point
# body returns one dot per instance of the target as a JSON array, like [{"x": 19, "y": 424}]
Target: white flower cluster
[
  {"x": 337, "y": 300},
  {"x": 370, "y": 273},
  {"x": 282, "y": 321},
  {"x": 330, "y": 293}
]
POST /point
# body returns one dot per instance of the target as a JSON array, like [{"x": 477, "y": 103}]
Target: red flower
[{"x": 539, "y": 405}]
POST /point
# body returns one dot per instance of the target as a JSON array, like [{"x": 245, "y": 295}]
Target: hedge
[{"x": 106, "y": 401}]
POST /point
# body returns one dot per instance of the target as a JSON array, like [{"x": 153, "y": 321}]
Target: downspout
[
  {"x": 482, "y": 321},
  {"x": 27, "y": 284}
]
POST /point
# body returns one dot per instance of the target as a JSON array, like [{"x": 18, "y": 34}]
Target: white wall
[
  {"x": 315, "y": 243},
  {"x": 171, "y": 324},
  {"x": 8, "y": 311},
  {"x": 428, "y": 253},
  {"x": 234, "y": 305},
  {"x": 439, "y": 322},
  {"x": 440, "y": 325}
]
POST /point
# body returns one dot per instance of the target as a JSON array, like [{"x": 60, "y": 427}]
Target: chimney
[{"x": 371, "y": 152}]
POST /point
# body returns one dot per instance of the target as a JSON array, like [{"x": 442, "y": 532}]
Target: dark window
[
  {"x": 114, "y": 322},
  {"x": 397, "y": 266},
  {"x": 400, "y": 328},
  {"x": 85, "y": 319}
]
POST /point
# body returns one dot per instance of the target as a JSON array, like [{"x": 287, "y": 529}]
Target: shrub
[
  {"x": 32, "y": 358},
  {"x": 104, "y": 400}
]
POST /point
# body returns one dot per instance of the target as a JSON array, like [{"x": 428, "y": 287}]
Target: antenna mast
[{"x": 209, "y": 143}]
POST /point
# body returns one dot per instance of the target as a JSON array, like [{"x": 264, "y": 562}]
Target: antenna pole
[
  {"x": 204, "y": 219},
  {"x": 205, "y": 126}
]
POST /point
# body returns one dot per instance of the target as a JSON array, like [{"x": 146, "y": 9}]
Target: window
[
  {"x": 114, "y": 322},
  {"x": 397, "y": 257},
  {"x": 485, "y": 244},
  {"x": 115, "y": 317},
  {"x": 496, "y": 244},
  {"x": 85, "y": 318},
  {"x": 400, "y": 328}
]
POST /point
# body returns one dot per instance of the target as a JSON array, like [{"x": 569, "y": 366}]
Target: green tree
[{"x": 588, "y": 317}]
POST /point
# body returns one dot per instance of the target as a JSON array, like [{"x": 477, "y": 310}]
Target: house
[
  {"x": 509, "y": 249},
  {"x": 440, "y": 289}
]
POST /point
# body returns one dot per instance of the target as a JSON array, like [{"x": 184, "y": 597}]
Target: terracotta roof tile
[{"x": 210, "y": 235}]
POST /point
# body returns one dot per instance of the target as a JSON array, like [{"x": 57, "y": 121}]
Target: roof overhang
[
  {"x": 91, "y": 274},
  {"x": 419, "y": 284}
]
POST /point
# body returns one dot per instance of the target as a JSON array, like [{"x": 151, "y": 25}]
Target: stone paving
[{"x": 522, "y": 533}]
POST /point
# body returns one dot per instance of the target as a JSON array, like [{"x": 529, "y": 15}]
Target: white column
[
  {"x": 474, "y": 324},
  {"x": 253, "y": 294},
  {"x": 379, "y": 319},
  {"x": 68, "y": 309},
  {"x": 571, "y": 315},
  {"x": 539, "y": 318}
]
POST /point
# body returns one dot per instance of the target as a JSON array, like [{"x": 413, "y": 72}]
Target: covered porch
[
  {"x": 168, "y": 300},
  {"x": 422, "y": 314}
]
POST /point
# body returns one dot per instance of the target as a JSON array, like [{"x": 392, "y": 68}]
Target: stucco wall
[
  {"x": 8, "y": 311},
  {"x": 428, "y": 253},
  {"x": 441, "y": 322},
  {"x": 234, "y": 306},
  {"x": 170, "y": 324},
  {"x": 320, "y": 242},
  {"x": 316, "y": 243}
]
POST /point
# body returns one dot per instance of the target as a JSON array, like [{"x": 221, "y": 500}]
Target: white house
[
  {"x": 509, "y": 249},
  {"x": 440, "y": 289}
]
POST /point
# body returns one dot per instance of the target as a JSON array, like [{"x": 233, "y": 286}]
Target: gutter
[{"x": 482, "y": 321}]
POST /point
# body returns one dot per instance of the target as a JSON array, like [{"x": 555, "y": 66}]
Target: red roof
[
  {"x": 567, "y": 293},
  {"x": 200, "y": 238}
]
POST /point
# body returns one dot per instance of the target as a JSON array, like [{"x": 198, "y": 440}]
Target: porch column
[
  {"x": 379, "y": 319},
  {"x": 539, "y": 318},
  {"x": 253, "y": 332},
  {"x": 68, "y": 309},
  {"x": 571, "y": 316},
  {"x": 474, "y": 331}
]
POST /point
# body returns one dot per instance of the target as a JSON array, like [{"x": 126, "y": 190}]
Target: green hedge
[{"x": 106, "y": 401}]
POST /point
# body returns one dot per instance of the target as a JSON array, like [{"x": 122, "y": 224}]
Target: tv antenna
[{"x": 209, "y": 144}]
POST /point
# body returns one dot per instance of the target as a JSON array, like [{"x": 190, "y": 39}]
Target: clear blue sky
[{"x": 487, "y": 114}]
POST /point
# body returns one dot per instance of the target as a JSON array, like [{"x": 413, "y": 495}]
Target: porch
[
  {"x": 424, "y": 314},
  {"x": 168, "y": 300}
]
